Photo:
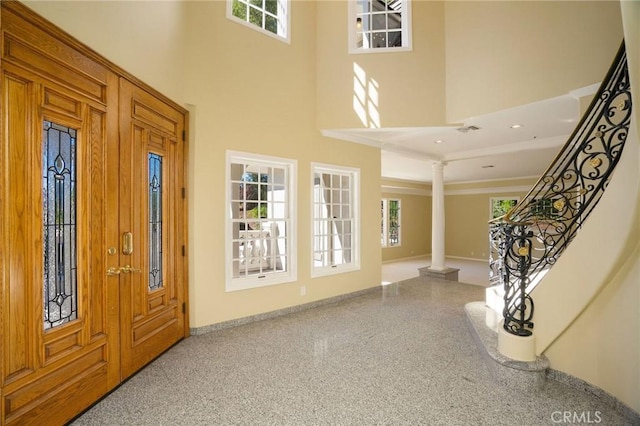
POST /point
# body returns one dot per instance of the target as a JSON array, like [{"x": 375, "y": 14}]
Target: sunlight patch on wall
[{"x": 365, "y": 98}]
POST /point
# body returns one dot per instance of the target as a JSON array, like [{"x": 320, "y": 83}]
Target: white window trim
[
  {"x": 234, "y": 284},
  {"x": 385, "y": 221},
  {"x": 385, "y": 243},
  {"x": 355, "y": 253},
  {"x": 286, "y": 7},
  {"x": 406, "y": 31}
]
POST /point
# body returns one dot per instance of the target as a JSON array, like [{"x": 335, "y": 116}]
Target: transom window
[
  {"x": 379, "y": 25},
  {"x": 390, "y": 222},
  {"x": 335, "y": 219},
  {"x": 268, "y": 16},
  {"x": 260, "y": 226}
]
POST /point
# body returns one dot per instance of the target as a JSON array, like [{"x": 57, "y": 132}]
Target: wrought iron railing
[{"x": 530, "y": 238}]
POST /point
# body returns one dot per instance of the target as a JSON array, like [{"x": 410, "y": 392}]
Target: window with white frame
[
  {"x": 390, "y": 222},
  {"x": 501, "y": 205},
  {"x": 268, "y": 16},
  {"x": 379, "y": 25},
  {"x": 335, "y": 213},
  {"x": 261, "y": 221}
]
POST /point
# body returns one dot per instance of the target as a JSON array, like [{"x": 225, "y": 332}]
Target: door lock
[{"x": 127, "y": 243}]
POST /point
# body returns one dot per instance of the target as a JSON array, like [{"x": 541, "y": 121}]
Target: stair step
[{"x": 519, "y": 376}]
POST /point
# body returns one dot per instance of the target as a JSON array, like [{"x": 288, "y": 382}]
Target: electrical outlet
[{"x": 303, "y": 290}]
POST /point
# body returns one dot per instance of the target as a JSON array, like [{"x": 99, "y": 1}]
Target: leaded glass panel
[
  {"x": 60, "y": 290},
  {"x": 155, "y": 222}
]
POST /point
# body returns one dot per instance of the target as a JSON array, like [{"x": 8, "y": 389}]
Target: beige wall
[
  {"x": 257, "y": 95},
  {"x": 145, "y": 38},
  {"x": 410, "y": 84},
  {"x": 602, "y": 346},
  {"x": 415, "y": 214},
  {"x": 467, "y": 214},
  {"x": 507, "y": 53}
]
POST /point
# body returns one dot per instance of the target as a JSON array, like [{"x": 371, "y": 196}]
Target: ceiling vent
[{"x": 467, "y": 129}]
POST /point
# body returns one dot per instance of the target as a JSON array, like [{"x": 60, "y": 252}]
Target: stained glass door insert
[
  {"x": 59, "y": 216},
  {"x": 155, "y": 221}
]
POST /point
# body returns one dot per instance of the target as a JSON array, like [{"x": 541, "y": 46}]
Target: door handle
[
  {"x": 126, "y": 269},
  {"x": 123, "y": 269}
]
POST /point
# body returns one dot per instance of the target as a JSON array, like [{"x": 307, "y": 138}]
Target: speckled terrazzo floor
[{"x": 400, "y": 355}]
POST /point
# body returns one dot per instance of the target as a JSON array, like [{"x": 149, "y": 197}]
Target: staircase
[
  {"x": 530, "y": 239},
  {"x": 527, "y": 243}
]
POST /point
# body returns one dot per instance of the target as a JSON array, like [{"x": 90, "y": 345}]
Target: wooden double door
[{"x": 92, "y": 223}]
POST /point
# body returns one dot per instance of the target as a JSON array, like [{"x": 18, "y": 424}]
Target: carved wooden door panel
[
  {"x": 152, "y": 225},
  {"x": 59, "y": 314}
]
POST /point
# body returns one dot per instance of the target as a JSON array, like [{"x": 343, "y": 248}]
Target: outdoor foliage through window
[
  {"x": 500, "y": 206},
  {"x": 265, "y": 14},
  {"x": 390, "y": 227}
]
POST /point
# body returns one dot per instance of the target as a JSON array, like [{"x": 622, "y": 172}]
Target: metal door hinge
[
  {"x": 184, "y": 308},
  {"x": 184, "y": 135},
  {"x": 184, "y": 251},
  {"x": 184, "y": 192}
]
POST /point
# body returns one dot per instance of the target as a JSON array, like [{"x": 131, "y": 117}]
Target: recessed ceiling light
[
  {"x": 488, "y": 166},
  {"x": 439, "y": 141},
  {"x": 516, "y": 126}
]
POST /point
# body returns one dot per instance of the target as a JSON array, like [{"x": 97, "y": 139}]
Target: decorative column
[
  {"x": 437, "y": 217},
  {"x": 438, "y": 269}
]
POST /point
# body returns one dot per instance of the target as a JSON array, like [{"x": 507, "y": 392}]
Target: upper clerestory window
[
  {"x": 268, "y": 16},
  {"x": 379, "y": 26}
]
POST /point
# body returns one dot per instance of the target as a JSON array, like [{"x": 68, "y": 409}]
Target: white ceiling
[{"x": 527, "y": 151}]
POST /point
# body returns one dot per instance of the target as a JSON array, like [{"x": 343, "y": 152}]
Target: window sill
[
  {"x": 237, "y": 284},
  {"x": 333, "y": 270},
  {"x": 360, "y": 51}
]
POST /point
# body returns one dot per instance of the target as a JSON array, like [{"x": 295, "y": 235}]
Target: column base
[{"x": 447, "y": 274}]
